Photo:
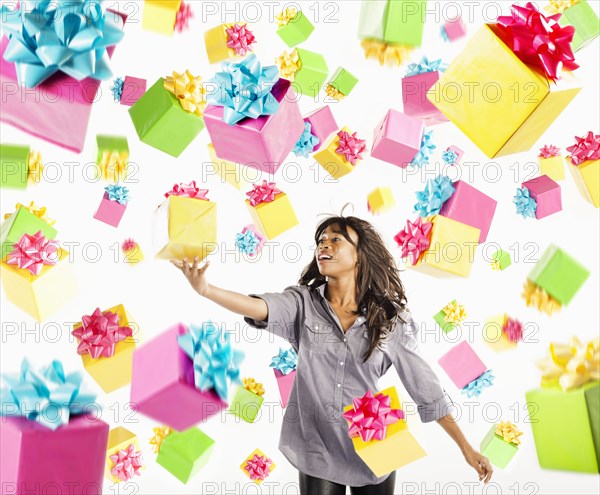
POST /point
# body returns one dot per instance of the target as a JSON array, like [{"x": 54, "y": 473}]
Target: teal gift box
[
  {"x": 184, "y": 453},
  {"x": 246, "y": 404}
]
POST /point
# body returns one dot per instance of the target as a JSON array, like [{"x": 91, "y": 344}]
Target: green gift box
[
  {"x": 497, "y": 450},
  {"x": 110, "y": 144},
  {"x": 161, "y": 122},
  {"x": 446, "y": 326},
  {"x": 296, "y": 31},
  {"x": 22, "y": 222},
  {"x": 246, "y": 404},
  {"x": 585, "y": 21},
  {"x": 311, "y": 76},
  {"x": 559, "y": 274},
  {"x": 393, "y": 21},
  {"x": 566, "y": 427},
  {"x": 501, "y": 259},
  {"x": 343, "y": 81},
  {"x": 184, "y": 453},
  {"x": 14, "y": 165}
]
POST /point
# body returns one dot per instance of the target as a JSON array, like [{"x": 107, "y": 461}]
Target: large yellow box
[
  {"x": 275, "y": 217},
  {"x": 587, "y": 180},
  {"x": 119, "y": 438},
  {"x": 334, "y": 164},
  {"x": 160, "y": 15}
]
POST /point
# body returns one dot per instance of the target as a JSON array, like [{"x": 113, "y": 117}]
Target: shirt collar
[{"x": 321, "y": 290}]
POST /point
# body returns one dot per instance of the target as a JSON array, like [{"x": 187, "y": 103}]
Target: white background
[{"x": 158, "y": 296}]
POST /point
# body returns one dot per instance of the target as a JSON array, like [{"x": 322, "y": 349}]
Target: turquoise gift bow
[
  {"x": 424, "y": 66},
  {"x": 286, "y": 361},
  {"x": 118, "y": 193},
  {"x": 307, "y": 142},
  {"x": 474, "y": 388},
  {"x": 47, "y": 396},
  {"x": 50, "y": 36},
  {"x": 431, "y": 200},
  {"x": 215, "y": 362},
  {"x": 526, "y": 205},
  {"x": 247, "y": 242},
  {"x": 425, "y": 151}
]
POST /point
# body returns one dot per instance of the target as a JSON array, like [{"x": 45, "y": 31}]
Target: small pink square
[
  {"x": 455, "y": 29},
  {"x": 322, "y": 124},
  {"x": 285, "y": 383},
  {"x": 133, "y": 89},
  {"x": 462, "y": 364},
  {"x": 547, "y": 195},
  {"x": 260, "y": 237},
  {"x": 458, "y": 151},
  {"x": 110, "y": 212},
  {"x": 397, "y": 138}
]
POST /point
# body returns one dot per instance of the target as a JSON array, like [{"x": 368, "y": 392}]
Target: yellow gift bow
[
  {"x": 537, "y": 297},
  {"x": 34, "y": 167},
  {"x": 559, "y": 6},
  {"x": 386, "y": 54},
  {"x": 289, "y": 64},
  {"x": 454, "y": 312},
  {"x": 334, "y": 93},
  {"x": 38, "y": 212},
  {"x": 189, "y": 91},
  {"x": 160, "y": 433},
  {"x": 286, "y": 16},
  {"x": 509, "y": 432},
  {"x": 254, "y": 387},
  {"x": 113, "y": 165},
  {"x": 496, "y": 265},
  {"x": 571, "y": 365}
]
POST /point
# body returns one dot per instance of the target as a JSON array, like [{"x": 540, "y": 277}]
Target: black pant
[{"x": 310, "y": 485}]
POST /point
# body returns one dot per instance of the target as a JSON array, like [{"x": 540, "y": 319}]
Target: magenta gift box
[
  {"x": 462, "y": 364},
  {"x": 285, "y": 384},
  {"x": 36, "y": 459},
  {"x": 261, "y": 143},
  {"x": 322, "y": 124},
  {"x": 414, "y": 97},
  {"x": 455, "y": 29},
  {"x": 261, "y": 238},
  {"x": 110, "y": 212},
  {"x": 397, "y": 138},
  {"x": 162, "y": 383},
  {"x": 470, "y": 206},
  {"x": 546, "y": 193},
  {"x": 133, "y": 89}
]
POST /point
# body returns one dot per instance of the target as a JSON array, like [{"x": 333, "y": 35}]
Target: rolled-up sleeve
[{"x": 419, "y": 379}]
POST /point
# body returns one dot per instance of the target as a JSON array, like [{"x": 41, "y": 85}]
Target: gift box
[
  {"x": 123, "y": 456},
  {"x": 462, "y": 364},
  {"x": 322, "y": 124},
  {"x": 311, "y": 75},
  {"x": 248, "y": 400},
  {"x": 159, "y": 15},
  {"x": 419, "y": 78},
  {"x": 546, "y": 194},
  {"x": 284, "y": 384},
  {"x": 397, "y": 138},
  {"x": 257, "y": 466},
  {"x": 132, "y": 253},
  {"x": 22, "y": 221},
  {"x": 452, "y": 155},
  {"x": 340, "y": 153},
  {"x": 393, "y": 21},
  {"x": 581, "y": 16},
  {"x": 341, "y": 84},
  {"x": 500, "y": 260},
  {"x": 502, "y": 333},
  {"x": 450, "y": 316},
  {"x": 184, "y": 453},
  {"x": 584, "y": 163},
  {"x": 380, "y": 200},
  {"x": 501, "y": 443},
  {"x": 391, "y": 448},
  {"x": 551, "y": 163},
  {"x": 250, "y": 241},
  {"x": 228, "y": 41},
  {"x": 113, "y": 206},
  {"x": 453, "y": 29},
  {"x": 112, "y": 157},
  {"x": 233, "y": 173},
  {"x": 294, "y": 27},
  {"x": 284, "y": 365},
  {"x": 271, "y": 210},
  {"x": 132, "y": 90},
  {"x": 18, "y": 166}
]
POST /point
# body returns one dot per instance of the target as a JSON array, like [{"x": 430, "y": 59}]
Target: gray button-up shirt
[{"x": 330, "y": 374}]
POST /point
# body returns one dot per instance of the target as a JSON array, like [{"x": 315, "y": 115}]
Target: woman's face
[{"x": 334, "y": 254}]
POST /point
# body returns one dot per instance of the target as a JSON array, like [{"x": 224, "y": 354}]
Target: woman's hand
[
  {"x": 196, "y": 276},
  {"x": 480, "y": 463}
]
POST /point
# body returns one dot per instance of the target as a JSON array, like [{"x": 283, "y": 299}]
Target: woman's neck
[{"x": 341, "y": 292}]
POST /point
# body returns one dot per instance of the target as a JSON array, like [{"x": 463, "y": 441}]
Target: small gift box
[
  {"x": 462, "y": 364},
  {"x": 71, "y": 442},
  {"x": 453, "y": 29},
  {"x": 450, "y": 316},
  {"x": 538, "y": 197},
  {"x": 502, "y": 333},
  {"x": 184, "y": 453},
  {"x": 293, "y": 26},
  {"x": 228, "y": 41},
  {"x": 271, "y": 209},
  {"x": 379, "y": 432},
  {"x": 380, "y": 200},
  {"x": 247, "y": 400},
  {"x": 322, "y": 124},
  {"x": 159, "y": 16},
  {"x": 112, "y": 157},
  {"x": 504, "y": 57},
  {"x": 340, "y": 84},
  {"x": 501, "y": 443},
  {"x": 584, "y": 163},
  {"x": 19, "y": 166},
  {"x": 419, "y": 78},
  {"x": 113, "y": 205},
  {"x": 124, "y": 458},
  {"x": 250, "y": 241},
  {"x": 257, "y": 466},
  {"x": 552, "y": 163},
  {"x": 132, "y": 253},
  {"x": 500, "y": 260},
  {"x": 284, "y": 366},
  {"x": 567, "y": 408},
  {"x": 580, "y": 15},
  {"x": 25, "y": 220},
  {"x": 307, "y": 70},
  {"x": 393, "y": 21},
  {"x": 341, "y": 153},
  {"x": 185, "y": 224},
  {"x": 398, "y": 138},
  {"x": 168, "y": 116},
  {"x": 106, "y": 344},
  {"x": 130, "y": 90},
  {"x": 452, "y": 155}
]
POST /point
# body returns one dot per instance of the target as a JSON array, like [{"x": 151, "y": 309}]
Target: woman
[{"x": 348, "y": 322}]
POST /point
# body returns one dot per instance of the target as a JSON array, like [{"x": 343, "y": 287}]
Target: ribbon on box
[
  {"x": 474, "y": 388},
  {"x": 307, "y": 142},
  {"x": 258, "y": 467},
  {"x": 449, "y": 156},
  {"x": 216, "y": 363},
  {"x": 509, "y": 432},
  {"x": 188, "y": 89},
  {"x": 525, "y": 204},
  {"x": 265, "y": 193},
  {"x": 183, "y": 17},
  {"x": 34, "y": 167},
  {"x": 370, "y": 416},
  {"x": 454, "y": 312},
  {"x": 425, "y": 151},
  {"x": 539, "y": 40},
  {"x": 286, "y": 16},
  {"x": 548, "y": 151},
  {"x": 160, "y": 433},
  {"x": 585, "y": 148},
  {"x": 350, "y": 146},
  {"x": 117, "y": 89},
  {"x": 38, "y": 212},
  {"x": 117, "y": 193},
  {"x": 285, "y": 361},
  {"x": 33, "y": 252},
  {"x": 334, "y": 93},
  {"x": 537, "y": 297},
  {"x": 99, "y": 334},
  {"x": 288, "y": 64},
  {"x": 414, "y": 239},
  {"x": 113, "y": 165},
  {"x": 513, "y": 329},
  {"x": 247, "y": 242},
  {"x": 47, "y": 396},
  {"x": 559, "y": 6},
  {"x": 60, "y": 36},
  {"x": 424, "y": 66},
  {"x": 252, "y": 386},
  {"x": 245, "y": 90},
  {"x": 444, "y": 34},
  {"x": 129, "y": 245},
  {"x": 240, "y": 38},
  {"x": 431, "y": 200},
  {"x": 190, "y": 190},
  {"x": 127, "y": 463},
  {"x": 384, "y": 53}
]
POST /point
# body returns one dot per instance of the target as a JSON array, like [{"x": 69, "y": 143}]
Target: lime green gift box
[
  {"x": 501, "y": 260},
  {"x": 585, "y": 21},
  {"x": 343, "y": 81},
  {"x": 246, "y": 404},
  {"x": 446, "y": 326},
  {"x": 296, "y": 31},
  {"x": 14, "y": 166},
  {"x": 161, "y": 122},
  {"x": 22, "y": 222},
  {"x": 311, "y": 76},
  {"x": 184, "y": 453},
  {"x": 393, "y": 21},
  {"x": 496, "y": 449}
]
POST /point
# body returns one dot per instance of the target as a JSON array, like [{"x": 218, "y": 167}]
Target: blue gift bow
[
  {"x": 427, "y": 147},
  {"x": 424, "y": 66},
  {"x": 215, "y": 362},
  {"x": 474, "y": 388},
  {"x": 117, "y": 193},
  {"x": 50, "y": 36},
  {"x": 444, "y": 34},
  {"x": 449, "y": 157},
  {"x": 244, "y": 90},
  {"x": 47, "y": 396},
  {"x": 117, "y": 89},
  {"x": 431, "y": 200},
  {"x": 247, "y": 242},
  {"x": 285, "y": 361},
  {"x": 526, "y": 205},
  {"x": 307, "y": 142}
]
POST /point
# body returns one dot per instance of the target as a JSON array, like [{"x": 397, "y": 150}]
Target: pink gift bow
[
  {"x": 371, "y": 416},
  {"x": 585, "y": 148},
  {"x": 99, "y": 333},
  {"x": 414, "y": 239},
  {"x": 239, "y": 38},
  {"x": 549, "y": 151},
  {"x": 188, "y": 191},
  {"x": 127, "y": 463},
  {"x": 539, "y": 40},
  {"x": 350, "y": 146},
  {"x": 32, "y": 252},
  {"x": 183, "y": 17},
  {"x": 258, "y": 467},
  {"x": 513, "y": 330},
  {"x": 265, "y": 193}
]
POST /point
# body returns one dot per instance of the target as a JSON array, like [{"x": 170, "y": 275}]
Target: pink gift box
[
  {"x": 398, "y": 138},
  {"x": 110, "y": 212},
  {"x": 285, "y": 383},
  {"x": 416, "y": 104},
  {"x": 547, "y": 195},
  {"x": 462, "y": 364},
  {"x": 261, "y": 143},
  {"x": 455, "y": 29},
  {"x": 470, "y": 206},
  {"x": 322, "y": 124},
  {"x": 458, "y": 151},
  {"x": 260, "y": 237},
  {"x": 36, "y": 459},
  {"x": 162, "y": 384},
  {"x": 133, "y": 89}
]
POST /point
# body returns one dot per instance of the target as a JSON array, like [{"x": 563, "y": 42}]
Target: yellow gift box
[
  {"x": 230, "y": 172},
  {"x": 185, "y": 228},
  {"x": 43, "y": 294},
  {"x": 500, "y": 103},
  {"x": 334, "y": 164},
  {"x": 494, "y": 336},
  {"x": 553, "y": 167},
  {"x": 245, "y": 463},
  {"x": 451, "y": 250},
  {"x": 587, "y": 180},
  {"x": 215, "y": 40},
  {"x": 274, "y": 217},
  {"x": 160, "y": 15},
  {"x": 114, "y": 372},
  {"x": 380, "y": 200},
  {"x": 397, "y": 449},
  {"x": 119, "y": 438}
]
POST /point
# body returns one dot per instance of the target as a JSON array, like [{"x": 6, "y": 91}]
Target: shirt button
[
  {"x": 345, "y": 339},
  {"x": 341, "y": 363},
  {"x": 339, "y": 385}
]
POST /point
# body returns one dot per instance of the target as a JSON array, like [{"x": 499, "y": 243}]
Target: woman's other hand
[
  {"x": 196, "y": 276},
  {"x": 480, "y": 463}
]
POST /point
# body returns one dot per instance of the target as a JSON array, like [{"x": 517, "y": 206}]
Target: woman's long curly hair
[{"x": 378, "y": 286}]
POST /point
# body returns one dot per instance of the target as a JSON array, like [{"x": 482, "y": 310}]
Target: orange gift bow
[
  {"x": 113, "y": 165},
  {"x": 537, "y": 297},
  {"x": 34, "y": 167},
  {"x": 160, "y": 433},
  {"x": 253, "y": 386},
  {"x": 559, "y": 6},
  {"x": 334, "y": 93},
  {"x": 386, "y": 54},
  {"x": 454, "y": 312},
  {"x": 289, "y": 64},
  {"x": 509, "y": 432},
  {"x": 286, "y": 16},
  {"x": 189, "y": 91}
]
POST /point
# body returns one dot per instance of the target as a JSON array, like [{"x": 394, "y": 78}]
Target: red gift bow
[
  {"x": 183, "y": 17},
  {"x": 129, "y": 244},
  {"x": 414, "y": 239},
  {"x": 351, "y": 147},
  {"x": 513, "y": 330},
  {"x": 99, "y": 333},
  {"x": 127, "y": 463},
  {"x": 188, "y": 191},
  {"x": 32, "y": 252},
  {"x": 239, "y": 38},
  {"x": 549, "y": 151},
  {"x": 258, "y": 467},
  {"x": 265, "y": 193},
  {"x": 371, "y": 416},
  {"x": 585, "y": 148},
  {"x": 539, "y": 40}
]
